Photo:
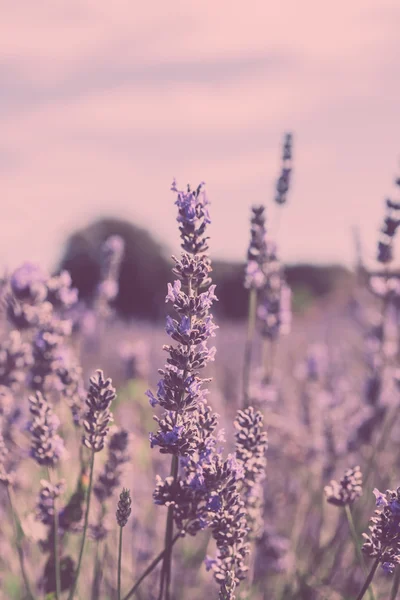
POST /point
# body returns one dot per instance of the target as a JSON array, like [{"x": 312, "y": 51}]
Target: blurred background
[{"x": 102, "y": 104}]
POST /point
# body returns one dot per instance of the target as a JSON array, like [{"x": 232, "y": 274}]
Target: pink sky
[{"x": 103, "y": 103}]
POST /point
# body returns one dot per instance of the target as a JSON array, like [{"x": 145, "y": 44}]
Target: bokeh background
[{"x": 103, "y": 103}]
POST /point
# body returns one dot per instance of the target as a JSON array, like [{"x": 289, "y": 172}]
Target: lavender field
[{"x": 194, "y": 456}]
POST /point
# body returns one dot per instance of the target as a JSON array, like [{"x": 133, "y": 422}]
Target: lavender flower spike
[
  {"x": 193, "y": 218},
  {"x": 124, "y": 507},
  {"x": 347, "y": 491},
  {"x": 181, "y": 389},
  {"x": 283, "y": 183},
  {"x": 251, "y": 443},
  {"x": 47, "y": 446},
  {"x": 109, "y": 478},
  {"x": 98, "y": 416},
  {"x": 256, "y": 254},
  {"x": 383, "y": 540},
  {"x": 45, "y": 505},
  {"x": 6, "y": 478}
]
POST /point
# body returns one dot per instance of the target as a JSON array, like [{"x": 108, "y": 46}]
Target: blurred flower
[
  {"x": 45, "y": 504},
  {"x": 98, "y": 416},
  {"x": 110, "y": 477},
  {"x": 15, "y": 358},
  {"x": 347, "y": 491},
  {"x": 283, "y": 183},
  {"x": 251, "y": 443},
  {"x": 47, "y": 446}
]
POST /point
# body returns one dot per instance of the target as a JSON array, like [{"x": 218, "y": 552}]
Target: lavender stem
[
  {"x": 19, "y": 548},
  {"x": 369, "y": 578},
  {"x": 251, "y": 322},
  {"x": 152, "y": 566},
  {"x": 395, "y": 585},
  {"x": 360, "y": 557},
  {"x": 85, "y": 528},
  {"x": 169, "y": 530},
  {"x": 56, "y": 542},
  {"x": 119, "y": 562}
]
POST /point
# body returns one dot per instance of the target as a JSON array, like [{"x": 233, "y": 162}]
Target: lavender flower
[
  {"x": 251, "y": 443},
  {"x": 388, "y": 231},
  {"x": 228, "y": 587},
  {"x": 25, "y": 297},
  {"x": 254, "y": 276},
  {"x": 283, "y": 183},
  {"x": 45, "y": 505},
  {"x": 15, "y": 357},
  {"x": 60, "y": 292},
  {"x": 203, "y": 489},
  {"x": 273, "y": 554},
  {"x": 72, "y": 388},
  {"x": 98, "y": 417},
  {"x": 124, "y": 507},
  {"x": 112, "y": 253},
  {"x": 274, "y": 309},
  {"x": 383, "y": 541},
  {"x": 6, "y": 478},
  {"x": 196, "y": 494},
  {"x": 23, "y": 315},
  {"x": 265, "y": 274},
  {"x": 347, "y": 491},
  {"x": 110, "y": 477},
  {"x": 193, "y": 218},
  {"x": 28, "y": 284},
  {"x": 180, "y": 391},
  {"x": 47, "y": 446},
  {"x": 48, "y": 352},
  {"x": 229, "y": 529}
]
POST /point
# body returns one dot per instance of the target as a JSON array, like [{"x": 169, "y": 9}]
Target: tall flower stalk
[
  {"x": 180, "y": 390},
  {"x": 96, "y": 424},
  {"x": 7, "y": 479},
  {"x": 283, "y": 183},
  {"x": 123, "y": 513},
  {"x": 254, "y": 281},
  {"x": 344, "y": 494}
]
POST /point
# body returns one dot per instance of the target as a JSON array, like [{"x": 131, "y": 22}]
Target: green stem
[
  {"x": 395, "y": 585},
  {"x": 56, "y": 543},
  {"x": 357, "y": 546},
  {"x": 85, "y": 528},
  {"x": 165, "y": 577},
  {"x": 18, "y": 545},
  {"x": 119, "y": 562},
  {"x": 151, "y": 567},
  {"x": 248, "y": 349},
  {"x": 369, "y": 578},
  {"x": 169, "y": 530},
  {"x": 96, "y": 574}
]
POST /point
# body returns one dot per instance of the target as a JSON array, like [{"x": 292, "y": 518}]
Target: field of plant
[{"x": 198, "y": 459}]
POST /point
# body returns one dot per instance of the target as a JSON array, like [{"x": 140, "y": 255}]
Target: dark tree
[{"x": 144, "y": 270}]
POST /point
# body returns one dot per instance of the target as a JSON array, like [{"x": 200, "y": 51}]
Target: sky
[{"x": 103, "y": 103}]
